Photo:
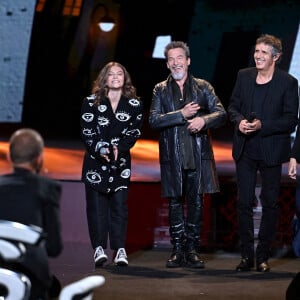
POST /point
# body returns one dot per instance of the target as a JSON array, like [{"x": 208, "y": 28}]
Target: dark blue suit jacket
[{"x": 279, "y": 114}]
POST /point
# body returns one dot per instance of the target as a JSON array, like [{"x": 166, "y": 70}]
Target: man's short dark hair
[{"x": 25, "y": 145}]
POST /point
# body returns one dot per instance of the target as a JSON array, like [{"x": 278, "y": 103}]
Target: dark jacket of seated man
[{"x": 30, "y": 198}]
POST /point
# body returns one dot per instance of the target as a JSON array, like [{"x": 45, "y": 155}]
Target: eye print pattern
[
  {"x": 120, "y": 188},
  {"x": 115, "y": 141},
  {"x": 88, "y": 117},
  {"x": 133, "y": 132},
  {"x": 125, "y": 173},
  {"x": 91, "y": 97},
  {"x": 134, "y": 102},
  {"x": 93, "y": 177},
  {"x": 88, "y": 132},
  {"x": 102, "y": 121},
  {"x": 122, "y": 116},
  {"x": 102, "y": 108}
]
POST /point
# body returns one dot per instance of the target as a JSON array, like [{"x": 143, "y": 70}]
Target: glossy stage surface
[{"x": 63, "y": 160}]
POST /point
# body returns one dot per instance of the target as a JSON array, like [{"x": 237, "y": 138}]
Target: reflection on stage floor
[{"x": 63, "y": 160}]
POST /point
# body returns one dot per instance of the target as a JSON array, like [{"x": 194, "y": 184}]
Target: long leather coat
[{"x": 165, "y": 118}]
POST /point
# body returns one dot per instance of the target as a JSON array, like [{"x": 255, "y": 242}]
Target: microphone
[
  {"x": 103, "y": 151},
  {"x": 251, "y": 117},
  {"x": 113, "y": 162}
]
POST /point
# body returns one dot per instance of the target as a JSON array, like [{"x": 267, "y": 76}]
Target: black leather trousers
[{"x": 185, "y": 216}]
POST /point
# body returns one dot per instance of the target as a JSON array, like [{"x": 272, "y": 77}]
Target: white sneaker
[
  {"x": 100, "y": 257},
  {"x": 121, "y": 258}
]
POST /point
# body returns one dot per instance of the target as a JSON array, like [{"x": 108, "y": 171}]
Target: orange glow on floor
[{"x": 65, "y": 164}]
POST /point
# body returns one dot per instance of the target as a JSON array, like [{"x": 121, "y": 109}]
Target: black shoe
[
  {"x": 193, "y": 260},
  {"x": 176, "y": 260},
  {"x": 245, "y": 265},
  {"x": 263, "y": 267}
]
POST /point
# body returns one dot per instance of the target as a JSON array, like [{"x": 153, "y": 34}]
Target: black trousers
[
  {"x": 247, "y": 169},
  {"x": 185, "y": 226},
  {"x": 107, "y": 216}
]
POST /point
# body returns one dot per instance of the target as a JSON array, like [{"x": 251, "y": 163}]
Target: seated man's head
[{"x": 26, "y": 149}]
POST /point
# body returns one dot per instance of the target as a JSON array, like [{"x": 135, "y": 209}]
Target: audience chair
[
  {"x": 82, "y": 289},
  {"x": 13, "y": 239},
  {"x": 14, "y": 285},
  {"x": 14, "y": 236},
  {"x": 14, "y": 231},
  {"x": 11, "y": 251}
]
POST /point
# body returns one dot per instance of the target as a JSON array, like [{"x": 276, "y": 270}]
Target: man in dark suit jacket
[
  {"x": 292, "y": 172},
  {"x": 29, "y": 198},
  {"x": 264, "y": 109}
]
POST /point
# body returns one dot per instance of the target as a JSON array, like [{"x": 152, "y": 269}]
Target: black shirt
[
  {"x": 185, "y": 138},
  {"x": 253, "y": 144}
]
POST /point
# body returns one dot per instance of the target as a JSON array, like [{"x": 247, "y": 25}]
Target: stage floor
[{"x": 147, "y": 278}]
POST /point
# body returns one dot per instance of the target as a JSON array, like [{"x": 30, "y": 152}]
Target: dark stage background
[{"x": 66, "y": 51}]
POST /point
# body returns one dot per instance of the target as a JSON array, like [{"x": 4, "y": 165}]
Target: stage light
[
  {"x": 106, "y": 23},
  {"x": 160, "y": 44}
]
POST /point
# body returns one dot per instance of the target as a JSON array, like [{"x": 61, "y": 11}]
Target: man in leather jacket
[{"x": 183, "y": 109}]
